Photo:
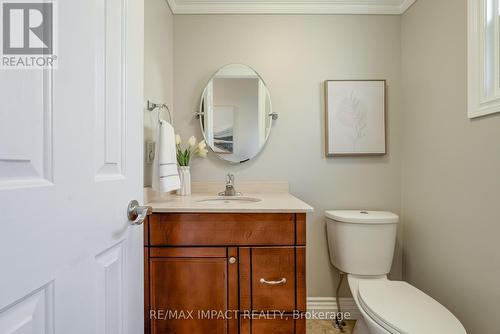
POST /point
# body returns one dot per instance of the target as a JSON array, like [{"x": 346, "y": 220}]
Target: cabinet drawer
[
  {"x": 273, "y": 278},
  {"x": 221, "y": 229}
]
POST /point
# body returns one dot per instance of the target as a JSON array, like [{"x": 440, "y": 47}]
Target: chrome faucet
[{"x": 230, "y": 191}]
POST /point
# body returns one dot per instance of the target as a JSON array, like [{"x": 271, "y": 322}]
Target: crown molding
[
  {"x": 405, "y": 5},
  {"x": 382, "y": 7}
]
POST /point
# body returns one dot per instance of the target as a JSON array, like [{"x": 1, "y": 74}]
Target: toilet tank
[{"x": 361, "y": 242}]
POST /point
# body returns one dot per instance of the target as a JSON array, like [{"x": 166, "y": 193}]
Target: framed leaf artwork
[{"x": 355, "y": 117}]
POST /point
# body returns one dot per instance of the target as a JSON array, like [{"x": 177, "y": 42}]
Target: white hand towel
[{"x": 165, "y": 173}]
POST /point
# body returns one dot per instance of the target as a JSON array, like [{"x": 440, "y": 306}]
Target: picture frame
[{"x": 355, "y": 118}]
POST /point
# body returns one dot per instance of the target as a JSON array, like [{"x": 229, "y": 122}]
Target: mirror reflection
[{"x": 235, "y": 113}]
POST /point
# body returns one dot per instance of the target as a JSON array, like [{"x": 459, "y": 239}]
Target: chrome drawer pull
[{"x": 282, "y": 281}]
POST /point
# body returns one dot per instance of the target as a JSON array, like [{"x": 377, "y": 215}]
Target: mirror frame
[{"x": 272, "y": 115}]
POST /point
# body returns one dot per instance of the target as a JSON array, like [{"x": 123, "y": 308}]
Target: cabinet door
[
  {"x": 184, "y": 282},
  {"x": 273, "y": 279}
]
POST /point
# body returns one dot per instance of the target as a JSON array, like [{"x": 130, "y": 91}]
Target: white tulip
[
  {"x": 203, "y": 153},
  {"x": 192, "y": 141},
  {"x": 178, "y": 140},
  {"x": 201, "y": 145}
]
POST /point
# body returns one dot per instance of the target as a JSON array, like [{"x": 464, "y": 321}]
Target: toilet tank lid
[{"x": 362, "y": 217}]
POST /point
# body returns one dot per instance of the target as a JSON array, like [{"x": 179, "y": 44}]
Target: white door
[{"x": 70, "y": 162}]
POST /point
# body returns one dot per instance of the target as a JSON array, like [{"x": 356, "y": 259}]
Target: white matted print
[{"x": 355, "y": 117}]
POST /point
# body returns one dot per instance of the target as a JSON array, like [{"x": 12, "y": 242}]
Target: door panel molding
[
  {"x": 110, "y": 290},
  {"x": 27, "y": 139},
  {"x": 110, "y": 90},
  {"x": 32, "y": 314}
]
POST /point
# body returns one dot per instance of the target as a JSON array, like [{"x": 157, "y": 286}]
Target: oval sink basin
[{"x": 229, "y": 200}]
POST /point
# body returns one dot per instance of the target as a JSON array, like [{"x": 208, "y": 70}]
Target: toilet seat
[{"x": 403, "y": 309}]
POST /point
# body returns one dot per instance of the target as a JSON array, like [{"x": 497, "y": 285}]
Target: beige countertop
[{"x": 274, "y": 198}]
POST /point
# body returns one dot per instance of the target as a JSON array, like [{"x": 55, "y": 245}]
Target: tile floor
[{"x": 326, "y": 327}]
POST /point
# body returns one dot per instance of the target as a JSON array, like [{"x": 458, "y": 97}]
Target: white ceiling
[{"x": 393, "y": 7}]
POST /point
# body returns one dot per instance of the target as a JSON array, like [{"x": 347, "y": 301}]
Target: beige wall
[
  {"x": 294, "y": 55},
  {"x": 158, "y": 63},
  {"x": 451, "y": 165}
]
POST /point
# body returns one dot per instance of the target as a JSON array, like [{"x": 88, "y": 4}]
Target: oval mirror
[{"x": 235, "y": 113}]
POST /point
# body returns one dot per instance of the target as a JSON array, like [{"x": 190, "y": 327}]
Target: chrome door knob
[
  {"x": 137, "y": 213},
  {"x": 232, "y": 260}
]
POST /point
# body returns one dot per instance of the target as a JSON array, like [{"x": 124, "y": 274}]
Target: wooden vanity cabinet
[{"x": 231, "y": 264}]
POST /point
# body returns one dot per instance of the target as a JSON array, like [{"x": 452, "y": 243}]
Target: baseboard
[{"x": 329, "y": 305}]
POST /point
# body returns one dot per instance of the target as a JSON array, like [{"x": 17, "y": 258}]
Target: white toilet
[{"x": 361, "y": 245}]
